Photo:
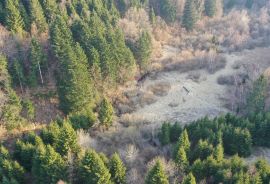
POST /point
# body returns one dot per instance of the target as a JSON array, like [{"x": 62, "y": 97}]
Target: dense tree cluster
[
  {"x": 199, "y": 152},
  {"x": 47, "y": 158}
]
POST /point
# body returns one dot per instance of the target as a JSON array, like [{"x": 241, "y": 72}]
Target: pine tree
[
  {"x": 73, "y": 82},
  {"x": 168, "y": 11},
  {"x": 48, "y": 166},
  {"x": 117, "y": 170},
  {"x": 17, "y": 73},
  {"x": 50, "y": 9},
  {"x": 106, "y": 112},
  {"x": 38, "y": 59},
  {"x": 10, "y": 111},
  {"x": 189, "y": 17},
  {"x": 183, "y": 141},
  {"x": 2, "y": 12},
  {"x": 175, "y": 132},
  {"x": 144, "y": 50},
  {"x": 256, "y": 98},
  {"x": 13, "y": 19},
  {"x": 92, "y": 169},
  {"x": 67, "y": 139},
  {"x": 181, "y": 159},
  {"x": 37, "y": 16},
  {"x": 164, "y": 135},
  {"x": 210, "y": 8},
  {"x": 189, "y": 179},
  {"x": 156, "y": 175},
  {"x": 219, "y": 152}
]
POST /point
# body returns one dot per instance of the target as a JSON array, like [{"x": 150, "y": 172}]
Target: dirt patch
[{"x": 160, "y": 89}]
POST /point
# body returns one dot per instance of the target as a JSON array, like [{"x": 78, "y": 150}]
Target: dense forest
[{"x": 76, "y": 53}]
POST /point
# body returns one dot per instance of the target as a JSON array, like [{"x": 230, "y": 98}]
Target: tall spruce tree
[
  {"x": 106, "y": 113},
  {"x": 75, "y": 88},
  {"x": 13, "y": 19},
  {"x": 50, "y": 9},
  {"x": 144, "y": 50},
  {"x": 189, "y": 17},
  {"x": 189, "y": 179},
  {"x": 156, "y": 175},
  {"x": 181, "y": 159},
  {"x": 210, "y": 8},
  {"x": 48, "y": 166},
  {"x": 117, "y": 170},
  {"x": 92, "y": 169},
  {"x": 37, "y": 16},
  {"x": 184, "y": 142},
  {"x": 37, "y": 59}
]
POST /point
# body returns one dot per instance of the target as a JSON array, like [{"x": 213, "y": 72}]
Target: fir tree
[
  {"x": 181, "y": 159},
  {"x": 14, "y": 20},
  {"x": 189, "y": 179},
  {"x": 144, "y": 50},
  {"x": 37, "y": 16},
  {"x": 210, "y": 8},
  {"x": 156, "y": 175},
  {"x": 189, "y": 17},
  {"x": 164, "y": 135},
  {"x": 106, "y": 112},
  {"x": 92, "y": 169},
  {"x": 117, "y": 170},
  {"x": 67, "y": 139},
  {"x": 183, "y": 141},
  {"x": 74, "y": 85},
  {"x": 168, "y": 11},
  {"x": 48, "y": 166},
  {"x": 175, "y": 132},
  {"x": 50, "y": 9},
  {"x": 219, "y": 152},
  {"x": 38, "y": 59}
]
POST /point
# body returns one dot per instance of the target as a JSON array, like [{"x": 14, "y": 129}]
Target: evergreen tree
[
  {"x": 10, "y": 111},
  {"x": 168, "y": 11},
  {"x": 13, "y": 19},
  {"x": 210, "y": 8},
  {"x": 156, "y": 175},
  {"x": 183, "y": 141},
  {"x": 219, "y": 152},
  {"x": 256, "y": 99},
  {"x": 189, "y": 179},
  {"x": 37, "y": 16},
  {"x": 50, "y": 9},
  {"x": 106, "y": 112},
  {"x": 67, "y": 139},
  {"x": 117, "y": 170},
  {"x": 38, "y": 59},
  {"x": 175, "y": 132},
  {"x": 164, "y": 135},
  {"x": 92, "y": 169},
  {"x": 144, "y": 50},
  {"x": 2, "y": 12},
  {"x": 181, "y": 159},
  {"x": 74, "y": 85},
  {"x": 17, "y": 73},
  {"x": 189, "y": 17},
  {"x": 48, "y": 166}
]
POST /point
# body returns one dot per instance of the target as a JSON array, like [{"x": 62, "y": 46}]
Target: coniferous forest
[{"x": 68, "y": 74}]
